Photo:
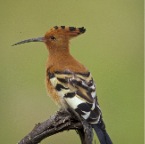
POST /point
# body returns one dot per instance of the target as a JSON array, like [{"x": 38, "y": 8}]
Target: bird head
[{"x": 57, "y": 37}]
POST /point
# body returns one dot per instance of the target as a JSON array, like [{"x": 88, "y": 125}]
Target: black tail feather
[{"x": 101, "y": 133}]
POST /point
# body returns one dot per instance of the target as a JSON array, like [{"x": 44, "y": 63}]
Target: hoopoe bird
[{"x": 69, "y": 83}]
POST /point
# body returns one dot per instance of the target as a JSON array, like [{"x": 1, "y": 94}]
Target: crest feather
[{"x": 69, "y": 31}]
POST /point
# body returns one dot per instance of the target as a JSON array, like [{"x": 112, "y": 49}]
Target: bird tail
[{"x": 102, "y": 133}]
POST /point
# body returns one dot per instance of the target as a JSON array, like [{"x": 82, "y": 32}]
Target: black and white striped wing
[{"x": 79, "y": 92}]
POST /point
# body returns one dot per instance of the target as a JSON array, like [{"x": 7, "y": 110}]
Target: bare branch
[{"x": 59, "y": 122}]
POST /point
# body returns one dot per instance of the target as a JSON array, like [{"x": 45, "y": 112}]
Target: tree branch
[{"x": 59, "y": 122}]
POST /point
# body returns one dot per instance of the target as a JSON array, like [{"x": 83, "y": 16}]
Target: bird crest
[{"x": 69, "y": 32}]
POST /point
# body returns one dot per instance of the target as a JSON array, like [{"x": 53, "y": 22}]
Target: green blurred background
[{"x": 112, "y": 48}]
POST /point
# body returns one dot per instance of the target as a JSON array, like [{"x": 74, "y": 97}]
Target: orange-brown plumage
[{"x": 59, "y": 58}]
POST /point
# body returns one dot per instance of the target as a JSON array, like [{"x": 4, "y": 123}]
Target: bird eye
[{"x": 52, "y": 38}]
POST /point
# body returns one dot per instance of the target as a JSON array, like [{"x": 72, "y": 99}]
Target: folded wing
[{"x": 79, "y": 92}]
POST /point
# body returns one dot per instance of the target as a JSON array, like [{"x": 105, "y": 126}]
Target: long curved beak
[{"x": 39, "y": 39}]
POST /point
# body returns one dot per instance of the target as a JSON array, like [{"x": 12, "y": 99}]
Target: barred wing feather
[{"x": 79, "y": 92}]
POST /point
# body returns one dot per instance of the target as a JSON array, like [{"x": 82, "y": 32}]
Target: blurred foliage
[{"x": 112, "y": 48}]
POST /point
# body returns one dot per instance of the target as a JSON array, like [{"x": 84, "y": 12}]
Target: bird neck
[{"x": 60, "y": 60}]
